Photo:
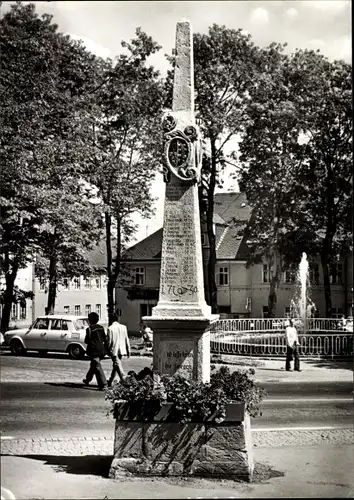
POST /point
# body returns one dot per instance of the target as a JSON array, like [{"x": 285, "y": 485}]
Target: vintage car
[{"x": 55, "y": 332}]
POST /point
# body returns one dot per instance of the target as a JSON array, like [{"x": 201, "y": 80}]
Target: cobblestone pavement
[{"x": 76, "y": 446}]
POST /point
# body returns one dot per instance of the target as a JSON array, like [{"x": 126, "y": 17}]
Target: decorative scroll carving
[
  {"x": 181, "y": 152},
  {"x": 169, "y": 123}
]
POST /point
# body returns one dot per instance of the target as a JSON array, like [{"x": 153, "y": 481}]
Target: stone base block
[{"x": 194, "y": 449}]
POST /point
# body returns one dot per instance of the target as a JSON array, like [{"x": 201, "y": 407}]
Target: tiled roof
[
  {"x": 228, "y": 243},
  {"x": 97, "y": 257},
  {"x": 232, "y": 205},
  {"x": 146, "y": 249}
]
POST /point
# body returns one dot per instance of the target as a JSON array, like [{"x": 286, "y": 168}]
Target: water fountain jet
[{"x": 301, "y": 305}]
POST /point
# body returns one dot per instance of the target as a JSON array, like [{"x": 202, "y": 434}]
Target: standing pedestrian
[
  {"x": 96, "y": 349},
  {"x": 292, "y": 346},
  {"x": 118, "y": 346}
]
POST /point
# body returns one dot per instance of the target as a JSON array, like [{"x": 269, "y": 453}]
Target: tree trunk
[
  {"x": 117, "y": 261},
  {"x": 111, "y": 281},
  {"x": 211, "y": 236},
  {"x": 273, "y": 288},
  {"x": 52, "y": 288},
  {"x": 10, "y": 277},
  {"x": 8, "y": 296},
  {"x": 326, "y": 282}
]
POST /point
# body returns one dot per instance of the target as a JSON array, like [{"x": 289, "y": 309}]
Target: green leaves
[{"x": 192, "y": 401}]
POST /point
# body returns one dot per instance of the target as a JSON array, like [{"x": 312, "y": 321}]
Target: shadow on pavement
[
  {"x": 99, "y": 465},
  {"x": 332, "y": 364},
  {"x": 72, "y": 384},
  {"x": 95, "y": 465},
  {"x": 49, "y": 355}
]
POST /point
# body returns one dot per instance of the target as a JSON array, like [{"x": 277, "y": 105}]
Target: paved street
[{"x": 44, "y": 397}]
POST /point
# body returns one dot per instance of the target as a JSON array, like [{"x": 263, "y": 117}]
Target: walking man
[
  {"x": 96, "y": 350},
  {"x": 292, "y": 346},
  {"x": 118, "y": 346}
]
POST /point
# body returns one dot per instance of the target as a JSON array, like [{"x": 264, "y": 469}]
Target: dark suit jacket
[{"x": 96, "y": 341}]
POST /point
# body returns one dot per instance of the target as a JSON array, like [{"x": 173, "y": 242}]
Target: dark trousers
[
  {"x": 292, "y": 353},
  {"x": 96, "y": 369},
  {"x": 117, "y": 369}
]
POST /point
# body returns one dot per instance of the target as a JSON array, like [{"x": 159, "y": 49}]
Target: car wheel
[
  {"x": 43, "y": 352},
  {"x": 17, "y": 348},
  {"x": 76, "y": 351}
]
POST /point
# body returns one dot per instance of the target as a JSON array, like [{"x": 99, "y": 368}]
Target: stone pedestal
[
  {"x": 182, "y": 346},
  {"x": 162, "y": 447}
]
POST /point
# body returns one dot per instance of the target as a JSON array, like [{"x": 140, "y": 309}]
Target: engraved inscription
[{"x": 177, "y": 357}]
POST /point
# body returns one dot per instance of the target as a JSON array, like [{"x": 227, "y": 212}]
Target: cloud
[
  {"x": 260, "y": 16},
  {"x": 69, "y": 6},
  {"x": 341, "y": 48},
  {"x": 94, "y": 47},
  {"x": 291, "y": 13},
  {"x": 316, "y": 43},
  {"x": 330, "y": 6}
]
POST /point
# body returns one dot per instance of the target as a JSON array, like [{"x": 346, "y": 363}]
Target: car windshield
[{"x": 81, "y": 323}]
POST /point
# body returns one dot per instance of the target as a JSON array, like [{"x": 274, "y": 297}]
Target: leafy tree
[
  {"x": 327, "y": 160},
  {"x": 127, "y": 141},
  {"x": 225, "y": 65},
  {"x": 295, "y": 111},
  {"x": 44, "y": 118}
]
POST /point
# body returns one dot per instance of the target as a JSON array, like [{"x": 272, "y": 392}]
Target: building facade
[
  {"x": 79, "y": 296},
  {"x": 241, "y": 292}
]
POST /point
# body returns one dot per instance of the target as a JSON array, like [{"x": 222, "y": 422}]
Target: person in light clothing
[
  {"x": 292, "y": 346},
  {"x": 118, "y": 346}
]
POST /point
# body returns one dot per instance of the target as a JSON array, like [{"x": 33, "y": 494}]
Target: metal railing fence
[
  {"x": 265, "y": 337},
  {"x": 274, "y": 324}
]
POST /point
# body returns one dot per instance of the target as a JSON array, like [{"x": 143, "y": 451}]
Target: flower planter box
[{"x": 161, "y": 446}]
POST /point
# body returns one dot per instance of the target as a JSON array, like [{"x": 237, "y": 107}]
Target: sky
[{"x": 102, "y": 25}]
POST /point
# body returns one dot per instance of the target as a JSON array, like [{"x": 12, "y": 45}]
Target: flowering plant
[{"x": 191, "y": 401}]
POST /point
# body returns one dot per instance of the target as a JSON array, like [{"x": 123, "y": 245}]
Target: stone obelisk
[{"x": 181, "y": 320}]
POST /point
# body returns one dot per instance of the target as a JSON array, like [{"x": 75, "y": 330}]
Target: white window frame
[
  {"x": 314, "y": 272},
  {"x": 266, "y": 272},
  {"x": 77, "y": 283},
  {"x": 223, "y": 276},
  {"x": 337, "y": 312},
  {"x": 290, "y": 276},
  {"x": 98, "y": 309},
  {"x": 77, "y": 310},
  {"x": 87, "y": 309},
  {"x": 139, "y": 276},
  {"x": 14, "y": 311},
  {"x": 66, "y": 284},
  {"x": 98, "y": 282},
  {"x": 66, "y": 309},
  {"x": 336, "y": 273},
  {"x": 87, "y": 283}
]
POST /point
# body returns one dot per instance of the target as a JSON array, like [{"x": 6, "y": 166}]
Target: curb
[{"x": 103, "y": 445}]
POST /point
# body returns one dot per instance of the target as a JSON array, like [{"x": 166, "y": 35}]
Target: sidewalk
[
  {"x": 273, "y": 370},
  {"x": 303, "y": 471}
]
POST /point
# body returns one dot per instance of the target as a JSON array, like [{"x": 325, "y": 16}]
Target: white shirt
[
  {"x": 117, "y": 339},
  {"x": 291, "y": 336}
]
